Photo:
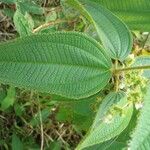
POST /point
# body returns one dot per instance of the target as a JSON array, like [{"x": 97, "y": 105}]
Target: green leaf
[
  {"x": 105, "y": 131},
  {"x": 109, "y": 145},
  {"x": 114, "y": 35},
  {"x": 8, "y": 1},
  {"x": 120, "y": 141},
  {"x": 111, "y": 99},
  {"x": 64, "y": 114},
  {"x": 30, "y": 21},
  {"x": 56, "y": 145},
  {"x": 36, "y": 119},
  {"x": 68, "y": 64},
  {"x": 135, "y": 13},
  {"x": 52, "y": 16},
  {"x": 30, "y": 7},
  {"x": 141, "y": 136},
  {"x": 8, "y": 12},
  {"x": 141, "y": 61},
  {"x": 16, "y": 143},
  {"x": 22, "y": 23},
  {"x": 3, "y": 94},
  {"x": 80, "y": 8},
  {"x": 19, "y": 109},
  {"x": 125, "y": 135},
  {"x": 78, "y": 112},
  {"x": 9, "y": 99}
]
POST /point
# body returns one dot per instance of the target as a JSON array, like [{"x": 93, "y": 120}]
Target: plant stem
[
  {"x": 116, "y": 77},
  {"x": 42, "y": 132},
  {"x": 48, "y": 24},
  {"x": 131, "y": 68},
  {"x": 41, "y": 124},
  {"x": 145, "y": 40}
]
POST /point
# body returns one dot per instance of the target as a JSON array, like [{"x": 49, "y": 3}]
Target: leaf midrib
[{"x": 59, "y": 64}]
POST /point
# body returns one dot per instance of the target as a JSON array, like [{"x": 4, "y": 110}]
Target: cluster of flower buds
[{"x": 135, "y": 85}]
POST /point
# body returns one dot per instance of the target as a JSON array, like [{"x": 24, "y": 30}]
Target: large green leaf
[
  {"x": 67, "y": 64},
  {"x": 135, "y": 13},
  {"x": 141, "y": 136},
  {"x": 120, "y": 141},
  {"x": 114, "y": 35},
  {"x": 105, "y": 131},
  {"x": 141, "y": 61}
]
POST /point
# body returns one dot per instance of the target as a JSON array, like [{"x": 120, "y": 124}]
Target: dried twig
[
  {"x": 48, "y": 24},
  {"x": 41, "y": 126}
]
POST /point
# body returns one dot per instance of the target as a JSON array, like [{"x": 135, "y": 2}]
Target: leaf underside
[
  {"x": 68, "y": 64},
  {"x": 102, "y": 131},
  {"x": 113, "y": 33},
  {"x": 110, "y": 100}
]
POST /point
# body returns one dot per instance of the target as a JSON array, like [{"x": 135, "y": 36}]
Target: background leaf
[
  {"x": 23, "y": 23},
  {"x": 141, "y": 61},
  {"x": 3, "y": 94},
  {"x": 141, "y": 136},
  {"x": 109, "y": 145},
  {"x": 8, "y": 12},
  {"x": 16, "y": 143},
  {"x": 8, "y": 1},
  {"x": 59, "y": 63},
  {"x": 30, "y": 7},
  {"x": 135, "y": 13},
  {"x": 36, "y": 119},
  {"x": 79, "y": 112},
  {"x": 9, "y": 99}
]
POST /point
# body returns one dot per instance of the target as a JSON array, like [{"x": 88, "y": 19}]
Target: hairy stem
[
  {"x": 116, "y": 77},
  {"x": 131, "y": 68}
]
